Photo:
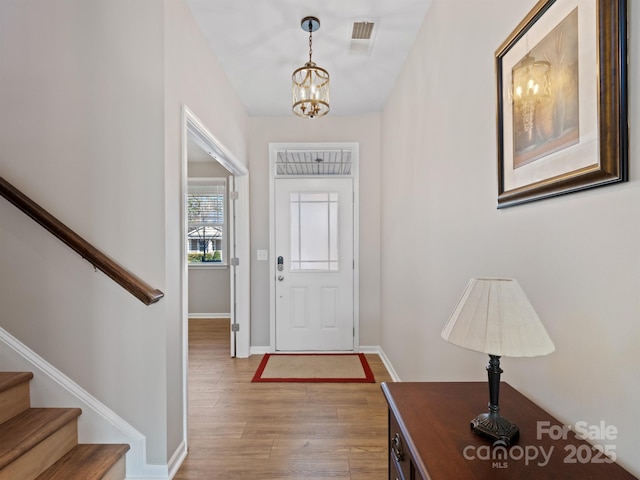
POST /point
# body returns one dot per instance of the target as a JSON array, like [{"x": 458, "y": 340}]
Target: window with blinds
[{"x": 206, "y": 225}]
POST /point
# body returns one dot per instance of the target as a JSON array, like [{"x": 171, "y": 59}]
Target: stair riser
[
  {"x": 43, "y": 455},
  {"x": 118, "y": 471},
  {"x": 42, "y": 443},
  {"x": 14, "y": 401}
]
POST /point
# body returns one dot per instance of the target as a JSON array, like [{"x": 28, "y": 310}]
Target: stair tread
[
  {"x": 85, "y": 462},
  {"x": 22, "y": 432},
  {"x": 11, "y": 379}
]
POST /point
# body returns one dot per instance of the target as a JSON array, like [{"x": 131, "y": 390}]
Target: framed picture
[{"x": 562, "y": 100}]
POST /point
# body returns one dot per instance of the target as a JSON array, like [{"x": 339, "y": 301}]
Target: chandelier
[
  {"x": 531, "y": 85},
  {"x": 310, "y": 82}
]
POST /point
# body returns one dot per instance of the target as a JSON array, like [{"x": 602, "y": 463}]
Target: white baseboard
[
  {"x": 177, "y": 458},
  {"x": 260, "y": 350},
  {"x": 209, "y": 315},
  {"x": 387, "y": 363},
  {"x": 163, "y": 472},
  {"x": 152, "y": 472}
]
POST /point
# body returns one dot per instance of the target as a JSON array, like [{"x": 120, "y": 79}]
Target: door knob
[{"x": 280, "y": 278}]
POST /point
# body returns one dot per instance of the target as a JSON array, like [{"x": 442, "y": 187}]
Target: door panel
[
  {"x": 232, "y": 253},
  {"x": 314, "y": 288}
]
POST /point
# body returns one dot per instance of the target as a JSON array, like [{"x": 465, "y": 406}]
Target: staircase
[{"x": 42, "y": 443}]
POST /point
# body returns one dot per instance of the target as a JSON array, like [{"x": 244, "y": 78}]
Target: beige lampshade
[{"x": 494, "y": 316}]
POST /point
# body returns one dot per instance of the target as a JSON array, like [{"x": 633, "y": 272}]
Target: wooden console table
[{"x": 430, "y": 438}]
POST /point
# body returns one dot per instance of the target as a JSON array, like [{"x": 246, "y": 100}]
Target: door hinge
[
  {"x": 235, "y": 327},
  {"x": 235, "y": 261},
  {"x": 233, "y": 195}
]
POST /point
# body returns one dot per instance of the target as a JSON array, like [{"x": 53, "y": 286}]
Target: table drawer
[{"x": 399, "y": 457}]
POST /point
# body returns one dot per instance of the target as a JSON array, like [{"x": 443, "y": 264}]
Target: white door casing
[
  {"x": 231, "y": 255},
  {"x": 193, "y": 127},
  {"x": 238, "y": 247},
  {"x": 314, "y": 298}
]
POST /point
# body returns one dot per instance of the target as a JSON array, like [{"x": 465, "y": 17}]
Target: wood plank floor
[{"x": 241, "y": 430}]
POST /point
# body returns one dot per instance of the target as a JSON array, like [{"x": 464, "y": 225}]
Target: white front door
[{"x": 314, "y": 257}]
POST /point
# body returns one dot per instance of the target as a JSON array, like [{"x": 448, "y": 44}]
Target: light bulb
[{"x": 519, "y": 91}]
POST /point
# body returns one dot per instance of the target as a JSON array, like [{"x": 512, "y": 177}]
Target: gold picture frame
[{"x": 562, "y": 100}]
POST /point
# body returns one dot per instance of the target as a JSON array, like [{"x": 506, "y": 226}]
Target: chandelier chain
[{"x": 310, "y": 43}]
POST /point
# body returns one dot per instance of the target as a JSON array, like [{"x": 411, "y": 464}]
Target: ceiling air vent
[
  {"x": 363, "y": 34},
  {"x": 362, "y": 30}
]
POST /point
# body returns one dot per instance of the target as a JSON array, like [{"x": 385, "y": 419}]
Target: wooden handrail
[{"x": 130, "y": 282}]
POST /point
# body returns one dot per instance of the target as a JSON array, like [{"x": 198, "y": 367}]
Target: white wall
[
  {"x": 82, "y": 133},
  {"x": 209, "y": 291},
  {"x": 193, "y": 78},
  {"x": 363, "y": 129},
  {"x": 576, "y": 256},
  {"x": 91, "y": 100}
]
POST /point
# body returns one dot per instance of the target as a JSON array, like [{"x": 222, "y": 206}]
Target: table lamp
[{"x": 494, "y": 316}]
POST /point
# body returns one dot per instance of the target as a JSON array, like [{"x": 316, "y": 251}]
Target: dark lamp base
[{"x": 493, "y": 426}]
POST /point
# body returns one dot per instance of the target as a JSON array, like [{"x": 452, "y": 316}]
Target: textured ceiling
[{"x": 259, "y": 43}]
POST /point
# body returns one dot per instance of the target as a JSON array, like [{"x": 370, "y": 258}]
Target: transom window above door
[{"x": 336, "y": 162}]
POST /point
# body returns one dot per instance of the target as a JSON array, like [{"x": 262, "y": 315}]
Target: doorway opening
[{"x": 218, "y": 238}]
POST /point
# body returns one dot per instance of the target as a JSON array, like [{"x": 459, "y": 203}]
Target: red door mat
[{"x": 314, "y": 367}]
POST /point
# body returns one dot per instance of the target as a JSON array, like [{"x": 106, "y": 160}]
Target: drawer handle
[{"x": 396, "y": 448}]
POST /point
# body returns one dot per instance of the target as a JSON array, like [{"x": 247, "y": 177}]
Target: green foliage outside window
[{"x": 212, "y": 257}]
